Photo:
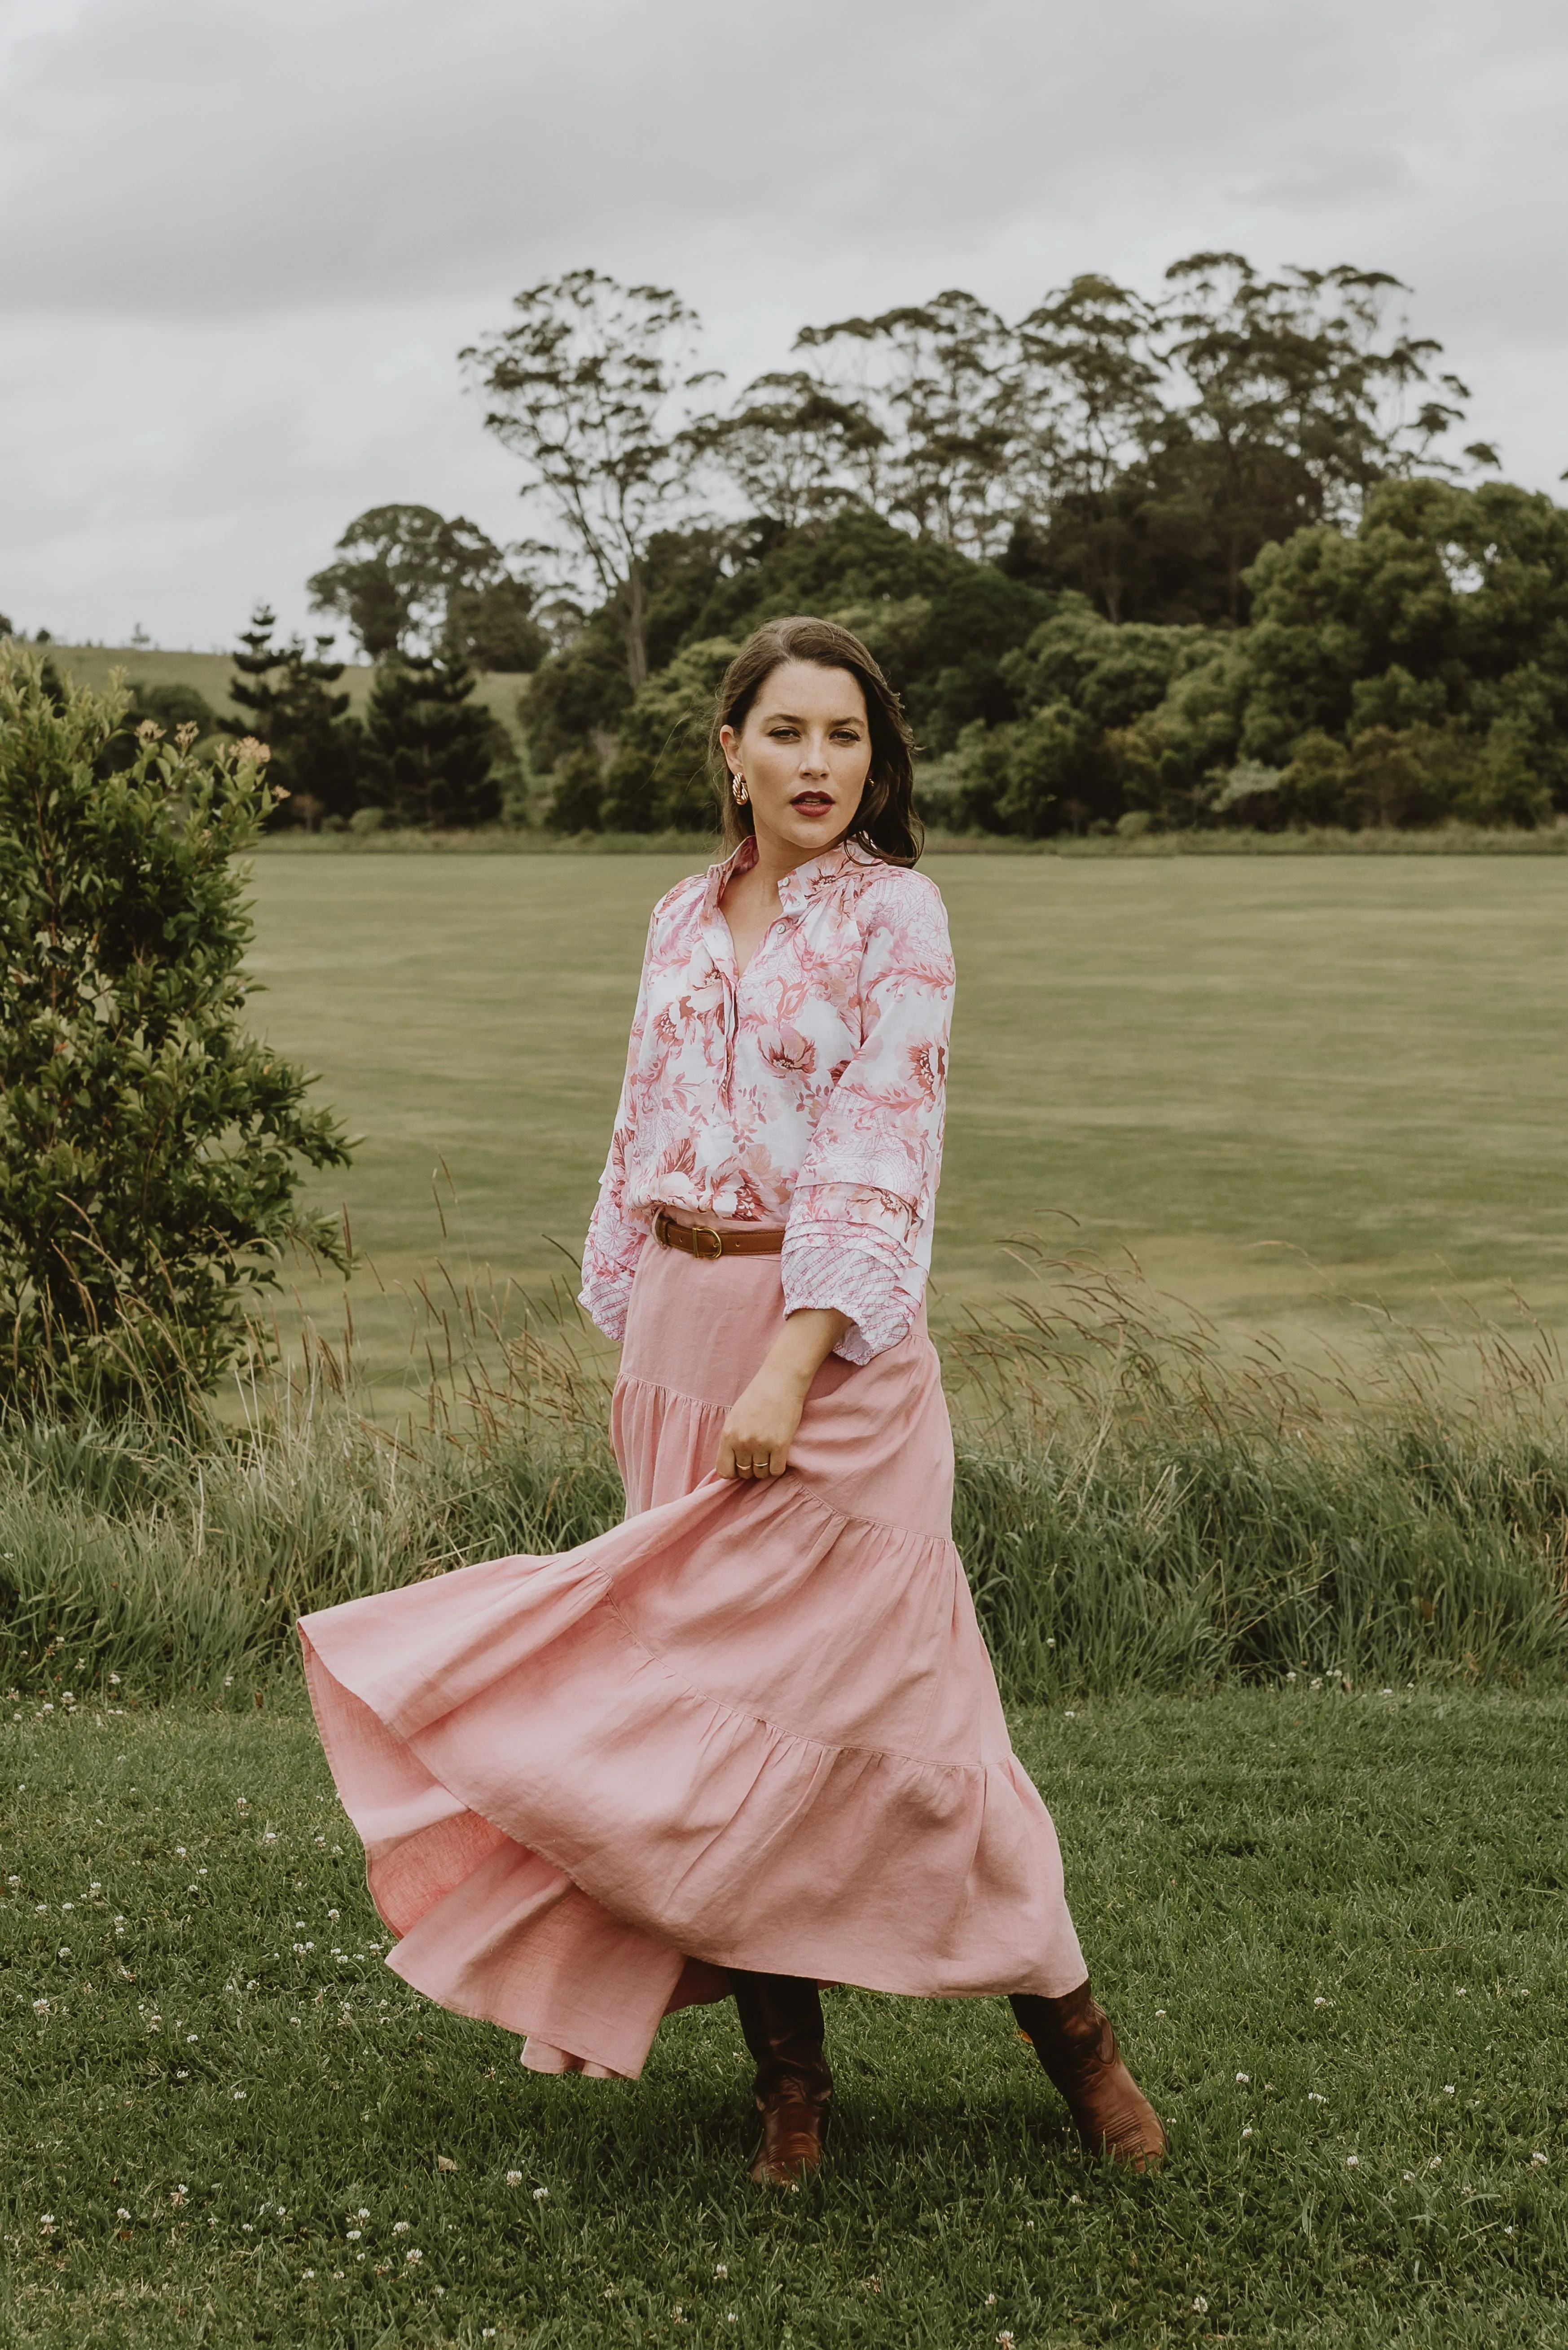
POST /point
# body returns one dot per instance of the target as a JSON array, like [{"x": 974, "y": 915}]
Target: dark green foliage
[
  {"x": 493, "y": 627},
  {"x": 407, "y": 578},
  {"x": 431, "y": 753},
  {"x": 1111, "y": 675},
  {"x": 578, "y": 794},
  {"x": 150, "y": 1151},
  {"x": 1414, "y": 670},
  {"x": 317, "y": 747},
  {"x": 658, "y": 781},
  {"x": 1081, "y": 681},
  {"x": 1050, "y": 773},
  {"x": 580, "y": 695}
]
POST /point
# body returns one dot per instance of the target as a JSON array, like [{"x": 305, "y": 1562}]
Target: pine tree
[
  {"x": 431, "y": 756},
  {"x": 317, "y": 749}
]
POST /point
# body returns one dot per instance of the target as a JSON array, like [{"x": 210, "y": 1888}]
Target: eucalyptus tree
[
  {"x": 941, "y": 381},
  {"x": 1090, "y": 392},
  {"x": 797, "y": 450},
  {"x": 591, "y": 386},
  {"x": 1302, "y": 392}
]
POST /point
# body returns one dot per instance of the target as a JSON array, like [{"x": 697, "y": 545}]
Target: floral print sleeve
[
  {"x": 618, "y": 1232},
  {"x": 858, "y": 1236}
]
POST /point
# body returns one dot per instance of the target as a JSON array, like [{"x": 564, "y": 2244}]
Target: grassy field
[
  {"x": 210, "y": 674},
  {"x": 1304, "y": 1091},
  {"x": 1331, "y": 1928}
]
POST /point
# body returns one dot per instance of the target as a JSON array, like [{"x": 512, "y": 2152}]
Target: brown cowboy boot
[
  {"x": 781, "y": 2016},
  {"x": 1074, "y": 2039}
]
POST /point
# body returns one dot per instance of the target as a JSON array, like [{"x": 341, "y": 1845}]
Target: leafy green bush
[
  {"x": 150, "y": 1151},
  {"x": 659, "y": 778}
]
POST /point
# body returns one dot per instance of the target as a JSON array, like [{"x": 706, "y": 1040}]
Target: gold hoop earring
[{"x": 738, "y": 789}]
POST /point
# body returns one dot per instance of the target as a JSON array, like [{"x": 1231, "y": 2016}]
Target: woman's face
[{"x": 805, "y": 751}]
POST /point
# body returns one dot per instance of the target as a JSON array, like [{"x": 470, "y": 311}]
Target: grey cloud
[
  {"x": 1328, "y": 182},
  {"x": 246, "y": 248}
]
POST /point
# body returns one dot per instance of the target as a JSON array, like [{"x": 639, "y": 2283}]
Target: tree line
[
  {"x": 1208, "y": 558},
  {"x": 1221, "y": 555}
]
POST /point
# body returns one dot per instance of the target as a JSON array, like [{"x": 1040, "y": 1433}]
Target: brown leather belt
[{"x": 704, "y": 1240}]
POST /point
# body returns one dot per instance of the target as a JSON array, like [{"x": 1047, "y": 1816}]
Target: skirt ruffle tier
[{"x": 752, "y": 1726}]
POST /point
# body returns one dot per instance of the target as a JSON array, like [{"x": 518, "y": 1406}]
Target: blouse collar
[{"x": 796, "y": 888}]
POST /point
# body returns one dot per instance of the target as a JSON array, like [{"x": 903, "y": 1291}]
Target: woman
[{"x": 750, "y": 1741}]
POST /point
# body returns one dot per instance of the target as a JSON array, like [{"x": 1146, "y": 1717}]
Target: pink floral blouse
[{"x": 807, "y": 1092}]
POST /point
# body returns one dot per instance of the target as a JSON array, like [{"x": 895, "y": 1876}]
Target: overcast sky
[{"x": 243, "y": 245}]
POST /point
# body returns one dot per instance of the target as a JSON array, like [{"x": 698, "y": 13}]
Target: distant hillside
[{"x": 210, "y": 674}]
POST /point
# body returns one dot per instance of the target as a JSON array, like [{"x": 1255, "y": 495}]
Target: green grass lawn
[
  {"x": 1302, "y": 1089},
  {"x": 1331, "y": 1928}
]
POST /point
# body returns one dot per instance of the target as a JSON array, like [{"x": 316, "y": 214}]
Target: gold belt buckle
[{"x": 707, "y": 1232}]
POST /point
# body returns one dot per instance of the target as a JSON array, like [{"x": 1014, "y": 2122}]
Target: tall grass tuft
[
  {"x": 1141, "y": 1506},
  {"x": 1138, "y": 1504}
]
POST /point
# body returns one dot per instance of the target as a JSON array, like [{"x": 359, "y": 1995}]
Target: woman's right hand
[{"x": 760, "y": 1426}]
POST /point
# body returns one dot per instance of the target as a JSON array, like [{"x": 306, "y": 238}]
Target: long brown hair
[{"x": 885, "y": 822}]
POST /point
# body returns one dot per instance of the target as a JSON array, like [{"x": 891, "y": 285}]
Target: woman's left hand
[{"x": 761, "y": 1424}]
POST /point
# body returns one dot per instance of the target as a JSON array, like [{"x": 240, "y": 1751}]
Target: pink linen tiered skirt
[{"x": 755, "y": 1726}]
